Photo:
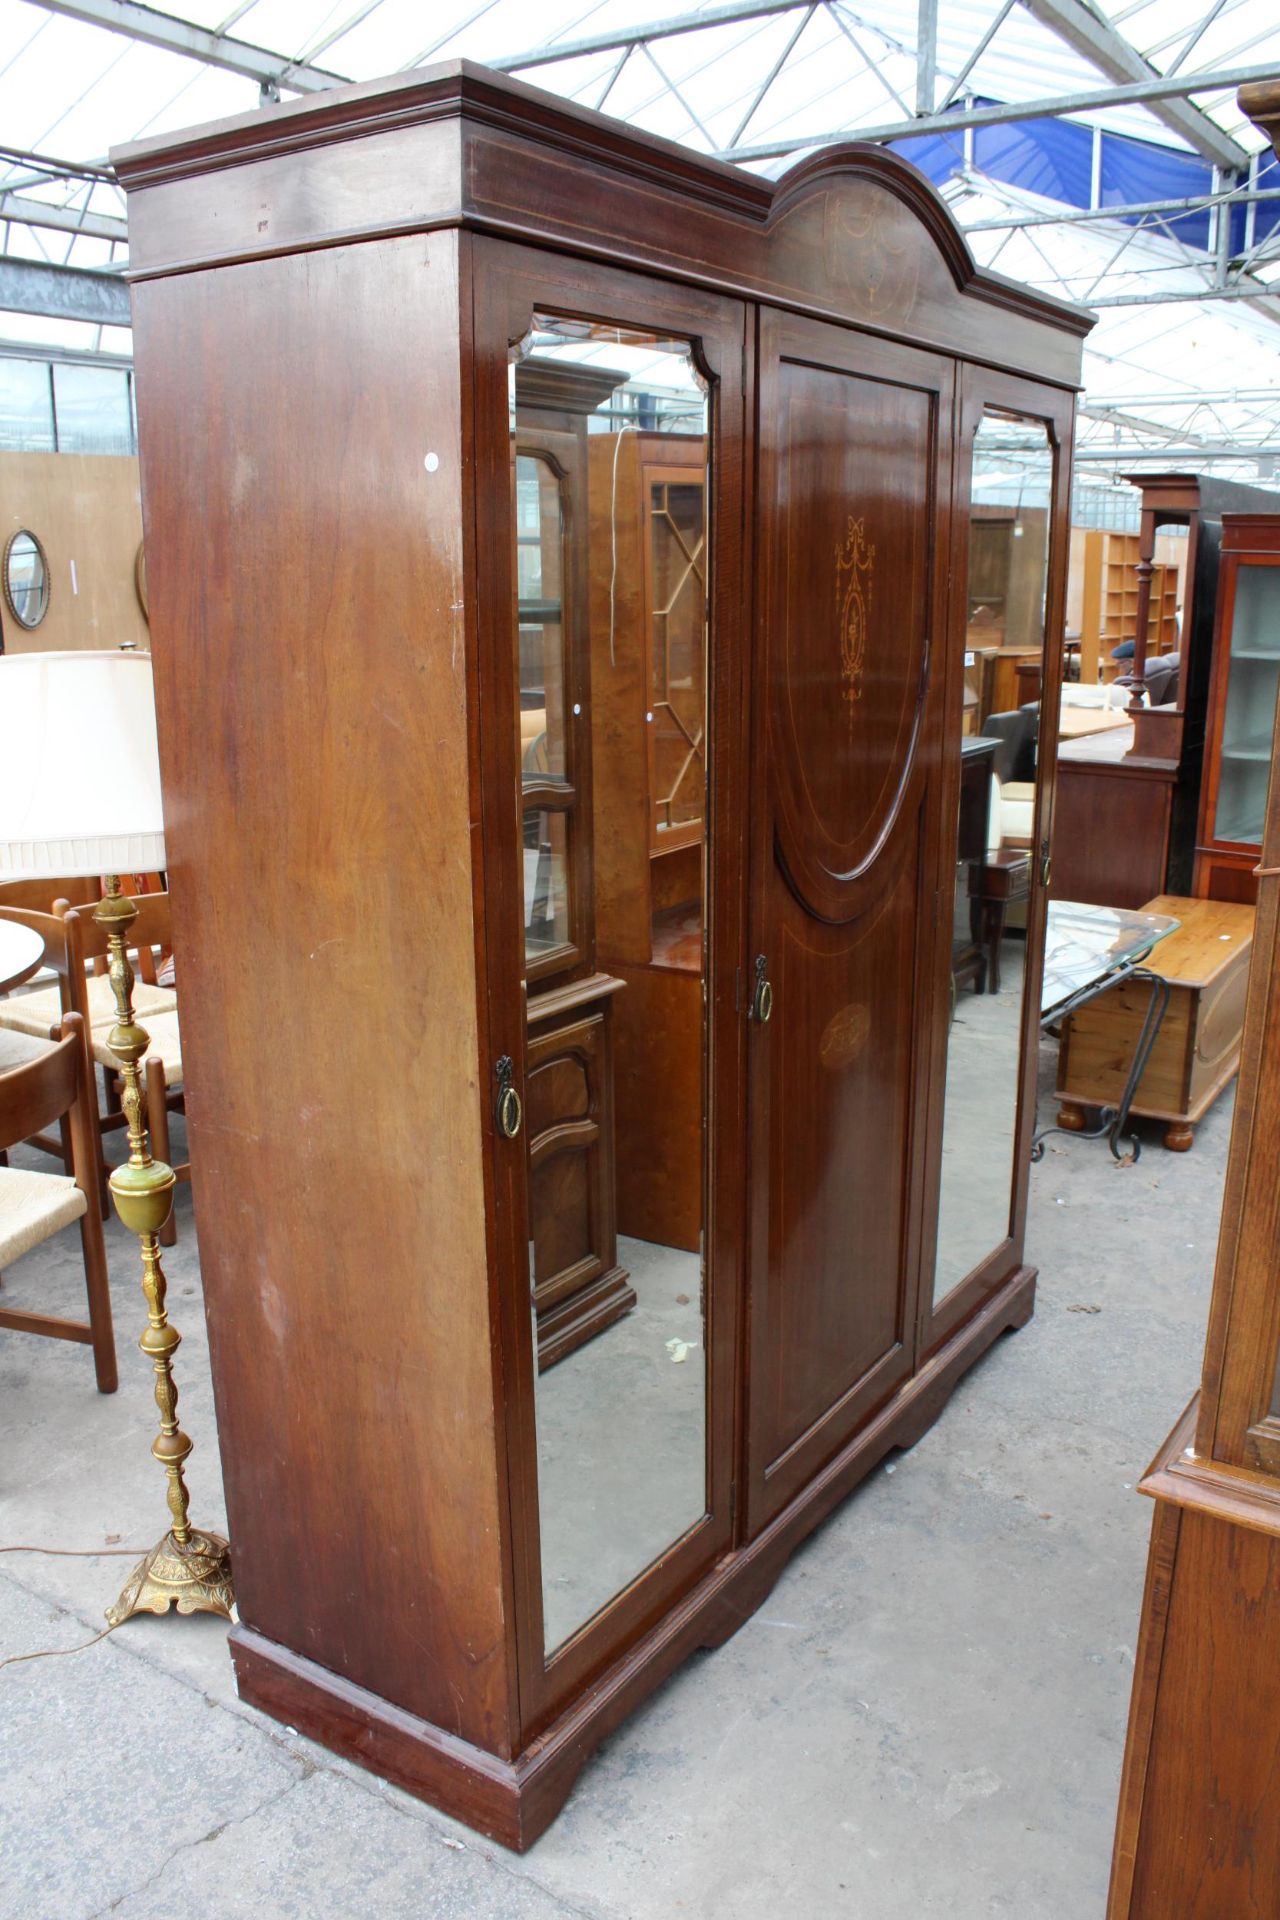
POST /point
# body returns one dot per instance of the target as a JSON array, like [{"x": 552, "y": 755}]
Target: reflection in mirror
[
  {"x": 1011, "y": 495},
  {"x": 609, "y": 477},
  {"x": 26, "y": 579}
]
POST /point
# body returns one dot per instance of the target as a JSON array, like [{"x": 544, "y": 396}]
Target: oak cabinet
[
  {"x": 562, "y": 648},
  {"x": 1197, "y": 1051}
]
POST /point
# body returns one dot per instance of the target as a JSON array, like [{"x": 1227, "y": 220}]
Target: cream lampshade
[{"x": 79, "y": 772}]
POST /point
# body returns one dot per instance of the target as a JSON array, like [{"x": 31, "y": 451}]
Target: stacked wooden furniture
[
  {"x": 1197, "y": 1052},
  {"x": 1198, "y": 1834},
  {"x": 1126, "y": 821},
  {"x": 969, "y": 957},
  {"x": 1104, "y": 597},
  {"x": 333, "y": 593},
  {"x": 1242, "y": 707},
  {"x": 578, "y": 1287},
  {"x": 1120, "y": 596},
  {"x": 1007, "y": 561},
  {"x": 648, "y": 617}
]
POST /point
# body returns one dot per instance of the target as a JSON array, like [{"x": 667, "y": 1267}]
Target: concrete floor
[
  {"x": 925, "y": 1719},
  {"x": 621, "y": 1441}
]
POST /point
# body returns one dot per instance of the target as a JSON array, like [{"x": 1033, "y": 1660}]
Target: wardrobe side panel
[
  {"x": 1209, "y": 1842},
  {"x": 302, "y": 458}
]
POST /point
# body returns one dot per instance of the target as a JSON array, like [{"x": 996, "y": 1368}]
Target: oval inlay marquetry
[
  {"x": 871, "y": 253},
  {"x": 850, "y": 641},
  {"x": 844, "y": 1036}
]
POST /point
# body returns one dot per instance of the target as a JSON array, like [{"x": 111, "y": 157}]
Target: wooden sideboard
[{"x": 452, "y": 1566}]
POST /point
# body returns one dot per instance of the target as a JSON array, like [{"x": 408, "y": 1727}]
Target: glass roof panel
[{"x": 72, "y": 89}]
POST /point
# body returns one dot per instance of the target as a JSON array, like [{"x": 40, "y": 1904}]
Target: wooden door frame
[
  {"x": 980, "y": 388},
  {"x": 509, "y": 283}
]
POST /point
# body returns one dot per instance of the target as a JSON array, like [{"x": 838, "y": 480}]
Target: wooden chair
[
  {"x": 72, "y": 943},
  {"x": 155, "y": 1007},
  {"x": 91, "y": 997},
  {"x": 34, "y": 1206},
  {"x": 19, "y": 1042},
  {"x": 38, "y": 892},
  {"x": 28, "y": 1020}
]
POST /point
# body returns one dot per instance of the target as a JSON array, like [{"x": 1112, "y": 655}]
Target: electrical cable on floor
[
  {"x": 69, "y": 1553},
  {"x": 52, "y": 1653},
  {"x": 79, "y": 1553}
]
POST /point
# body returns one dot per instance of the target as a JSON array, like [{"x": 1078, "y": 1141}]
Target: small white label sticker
[{"x": 431, "y": 462}]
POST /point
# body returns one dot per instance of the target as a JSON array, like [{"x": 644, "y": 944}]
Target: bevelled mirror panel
[
  {"x": 1009, "y": 522},
  {"x": 610, "y": 454}
]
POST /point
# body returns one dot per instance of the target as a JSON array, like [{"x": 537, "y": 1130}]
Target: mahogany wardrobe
[{"x": 607, "y": 1145}]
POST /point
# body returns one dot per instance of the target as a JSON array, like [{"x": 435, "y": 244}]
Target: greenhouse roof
[{"x": 1092, "y": 150}]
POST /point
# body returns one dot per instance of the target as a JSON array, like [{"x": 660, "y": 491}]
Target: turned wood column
[{"x": 1136, "y": 678}]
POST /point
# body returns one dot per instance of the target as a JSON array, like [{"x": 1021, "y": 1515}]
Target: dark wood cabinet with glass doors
[
  {"x": 577, "y": 695},
  {"x": 1242, "y": 708}
]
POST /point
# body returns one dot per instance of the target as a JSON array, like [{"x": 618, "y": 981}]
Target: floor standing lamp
[{"x": 80, "y": 794}]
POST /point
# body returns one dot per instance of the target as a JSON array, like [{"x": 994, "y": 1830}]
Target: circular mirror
[{"x": 25, "y": 579}]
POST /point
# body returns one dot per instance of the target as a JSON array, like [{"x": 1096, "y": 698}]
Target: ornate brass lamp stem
[{"x": 189, "y": 1568}]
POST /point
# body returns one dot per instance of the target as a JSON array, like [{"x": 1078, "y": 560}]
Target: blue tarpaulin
[{"x": 1054, "y": 158}]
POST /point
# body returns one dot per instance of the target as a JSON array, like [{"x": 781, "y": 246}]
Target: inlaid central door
[{"x": 854, "y": 485}]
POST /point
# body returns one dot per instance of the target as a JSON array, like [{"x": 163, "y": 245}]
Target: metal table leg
[{"x": 1113, "y": 1120}]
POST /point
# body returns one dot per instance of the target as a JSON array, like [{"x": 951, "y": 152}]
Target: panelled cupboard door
[
  {"x": 853, "y": 497},
  {"x": 620, "y": 1454}
]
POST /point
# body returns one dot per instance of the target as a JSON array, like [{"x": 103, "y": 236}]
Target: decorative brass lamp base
[
  {"x": 190, "y": 1569},
  {"x": 194, "y": 1577}
]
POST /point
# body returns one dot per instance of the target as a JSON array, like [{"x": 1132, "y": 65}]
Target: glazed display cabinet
[
  {"x": 1242, "y": 707},
  {"x": 558, "y": 551},
  {"x": 1128, "y": 805}
]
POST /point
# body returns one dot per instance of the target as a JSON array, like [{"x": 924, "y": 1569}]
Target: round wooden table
[{"x": 21, "y": 951}]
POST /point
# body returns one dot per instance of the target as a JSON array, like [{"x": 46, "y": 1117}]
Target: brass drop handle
[
  {"x": 762, "y": 998},
  {"x": 507, "y": 1109},
  {"x": 1046, "y": 862}
]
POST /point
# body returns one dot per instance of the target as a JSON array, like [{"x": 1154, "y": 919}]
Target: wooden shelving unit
[{"x": 1119, "y": 608}]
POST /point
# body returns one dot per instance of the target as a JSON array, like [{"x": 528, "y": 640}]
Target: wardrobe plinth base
[{"x": 514, "y": 1801}]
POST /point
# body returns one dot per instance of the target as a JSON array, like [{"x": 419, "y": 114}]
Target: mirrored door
[
  {"x": 610, "y": 453},
  {"x": 614, "y": 970},
  {"x": 1002, "y": 714}
]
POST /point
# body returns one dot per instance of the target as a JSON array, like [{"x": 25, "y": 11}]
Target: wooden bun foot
[
  {"x": 1071, "y": 1117},
  {"x": 1179, "y": 1137}
]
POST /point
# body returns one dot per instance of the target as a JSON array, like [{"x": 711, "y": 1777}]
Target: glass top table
[
  {"x": 1087, "y": 951},
  {"x": 1087, "y": 948}
]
